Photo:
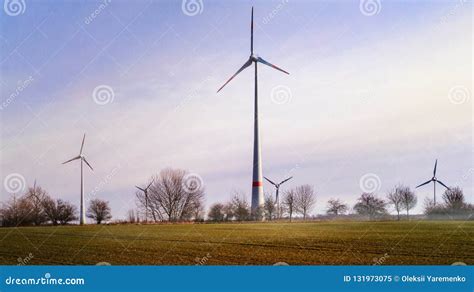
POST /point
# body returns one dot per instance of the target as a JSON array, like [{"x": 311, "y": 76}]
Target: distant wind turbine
[
  {"x": 145, "y": 191},
  {"x": 257, "y": 181},
  {"x": 434, "y": 180},
  {"x": 277, "y": 186},
  {"x": 82, "y": 218}
]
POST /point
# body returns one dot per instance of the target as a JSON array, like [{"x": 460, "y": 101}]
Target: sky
[{"x": 377, "y": 91}]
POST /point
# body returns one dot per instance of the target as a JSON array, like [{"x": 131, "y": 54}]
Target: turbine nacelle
[
  {"x": 435, "y": 180},
  {"x": 254, "y": 58}
]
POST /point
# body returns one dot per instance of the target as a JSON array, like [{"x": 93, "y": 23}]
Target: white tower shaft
[
  {"x": 257, "y": 178},
  {"x": 82, "y": 218}
]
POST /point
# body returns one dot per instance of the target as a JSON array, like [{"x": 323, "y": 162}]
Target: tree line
[
  {"x": 36, "y": 207},
  {"x": 174, "y": 195}
]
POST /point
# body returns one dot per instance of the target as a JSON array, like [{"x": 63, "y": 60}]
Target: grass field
[{"x": 315, "y": 243}]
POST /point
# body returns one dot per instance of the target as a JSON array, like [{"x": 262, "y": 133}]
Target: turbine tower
[
  {"x": 434, "y": 180},
  {"x": 277, "y": 186},
  {"x": 257, "y": 177},
  {"x": 82, "y": 215},
  {"x": 145, "y": 191}
]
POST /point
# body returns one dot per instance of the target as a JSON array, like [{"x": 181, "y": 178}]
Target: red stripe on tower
[{"x": 257, "y": 184}]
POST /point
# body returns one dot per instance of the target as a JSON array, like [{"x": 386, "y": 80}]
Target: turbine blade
[
  {"x": 87, "y": 163},
  {"x": 434, "y": 170},
  {"x": 72, "y": 159},
  {"x": 269, "y": 181},
  {"x": 251, "y": 34},
  {"x": 82, "y": 145},
  {"x": 424, "y": 183},
  {"x": 443, "y": 184},
  {"x": 286, "y": 180},
  {"x": 248, "y": 63},
  {"x": 259, "y": 59},
  {"x": 149, "y": 185},
  {"x": 140, "y": 188}
]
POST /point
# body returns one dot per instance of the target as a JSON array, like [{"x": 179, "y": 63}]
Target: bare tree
[
  {"x": 370, "y": 205},
  {"x": 270, "y": 206},
  {"x": 394, "y": 198},
  {"x": 59, "y": 211},
  {"x": 289, "y": 200},
  {"x": 408, "y": 197},
  {"x": 16, "y": 212},
  {"x": 454, "y": 199},
  {"x": 132, "y": 216},
  {"x": 336, "y": 207},
  {"x": 228, "y": 211},
  {"x": 99, "y": 211},
  {"x": 175, "y": 196},
  {"x": 240, "y": 206},
  {"x": 305, "y": 200},
  {"x": 36, "y": 195},
  {"x": 66, "y": 212},
  {"x": 216, "y": 212}
]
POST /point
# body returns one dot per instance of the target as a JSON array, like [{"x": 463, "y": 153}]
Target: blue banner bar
[{"x": 237, "y": 278}]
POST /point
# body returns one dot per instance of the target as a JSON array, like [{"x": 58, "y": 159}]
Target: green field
[{"x": 315, "y": 243}]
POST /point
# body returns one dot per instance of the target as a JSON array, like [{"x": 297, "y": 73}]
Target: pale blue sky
[{"x": 369, "y": 94}]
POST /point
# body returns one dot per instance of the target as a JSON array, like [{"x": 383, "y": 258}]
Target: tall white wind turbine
[
  {"x": 82, "y": 215},
  {"x": 257, "y": 178}
]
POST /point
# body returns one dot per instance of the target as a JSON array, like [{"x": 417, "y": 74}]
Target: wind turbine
[
  {"x": 145, "y": 191},
  {"x": 82, "y": 216},
  {"x": 257, "y": 181},
  {"x": 277, "y": 186},
  {"x": 434, "y": 180}
]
